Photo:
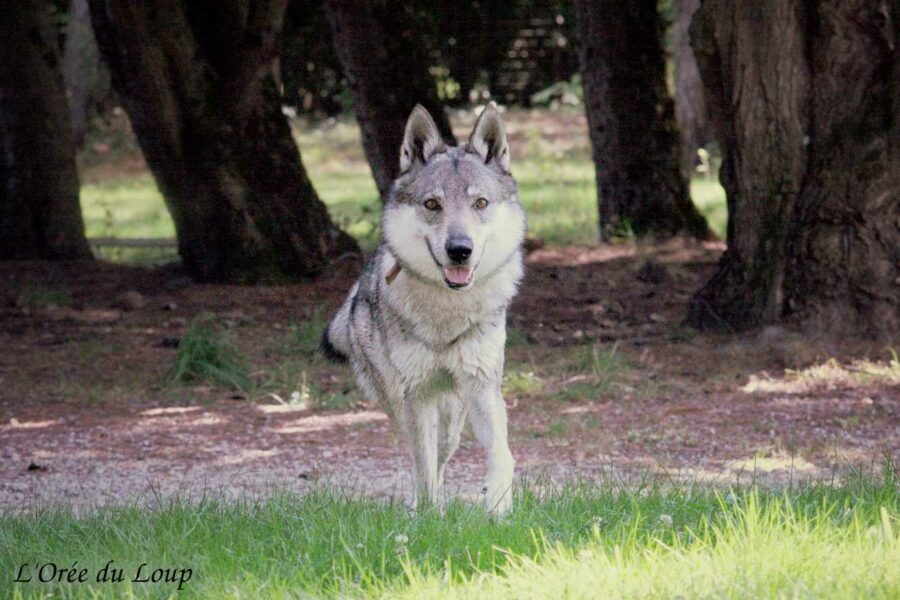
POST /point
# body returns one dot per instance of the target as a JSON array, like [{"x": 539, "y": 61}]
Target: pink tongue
[{"x": 458, "y": 275}]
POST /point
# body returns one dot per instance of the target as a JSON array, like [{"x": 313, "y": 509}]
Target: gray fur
[{"x": 428, "y": 346}]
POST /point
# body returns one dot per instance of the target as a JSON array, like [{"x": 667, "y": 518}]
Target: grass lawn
[
  {"x": 556, "y": 183},
  {"x": 585, "y": 540}
]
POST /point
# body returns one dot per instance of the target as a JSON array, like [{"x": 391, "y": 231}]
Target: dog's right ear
[
  {"x": 489, "y": 138},
  {"x": 421, "y": 141}
]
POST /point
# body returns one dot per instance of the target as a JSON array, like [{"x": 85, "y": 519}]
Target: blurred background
[{"x": 519, "y": 54}]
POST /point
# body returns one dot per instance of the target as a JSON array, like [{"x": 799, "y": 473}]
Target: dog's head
[{"x": 453, "y": 214}]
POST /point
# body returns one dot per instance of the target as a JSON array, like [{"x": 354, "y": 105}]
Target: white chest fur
[{"x": 462, "y": 331}]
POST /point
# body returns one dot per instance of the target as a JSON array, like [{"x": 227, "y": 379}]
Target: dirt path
[{"x": 84, "y": 417}]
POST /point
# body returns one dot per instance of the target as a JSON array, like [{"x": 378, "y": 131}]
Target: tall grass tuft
[
  {"x": 303, "y": 337},
  {"x": 206, "y": 354}
]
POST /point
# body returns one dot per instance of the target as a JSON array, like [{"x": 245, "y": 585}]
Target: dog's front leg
[
  {"x": 452, "y": 412},
  {"x": 488, "y": 419},
  {"x": 421, "y": 417}
]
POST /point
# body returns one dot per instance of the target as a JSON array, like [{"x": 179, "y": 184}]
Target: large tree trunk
[
  {"x": 630, "y": 116},
  {"x": 690, "y": 106},
  {"x": 87, "y": 81},
  {"x": 40, "y": 216},
  {"x": 386, "y": 66},
  {"x": 804, "y": 100},
  {"x": 196, "y": 79}
]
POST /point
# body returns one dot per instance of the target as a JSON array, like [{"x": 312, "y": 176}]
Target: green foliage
[
  {"x": 561, "y": 93},
  {"x": 205, "y": 355},
  {"x": 602, "y": 539}
]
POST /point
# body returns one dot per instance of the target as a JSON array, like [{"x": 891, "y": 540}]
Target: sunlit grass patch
[
  {"x": 830, "y": 375},
  {"x": 519, "y": 381},
  {"x": 709, "y": 197},
  {"x": 127, "y": 207},
  {"x": 756, "y": 550},
  {"x": 585, "y": 539},
  {"x": 559, "y": 198}
]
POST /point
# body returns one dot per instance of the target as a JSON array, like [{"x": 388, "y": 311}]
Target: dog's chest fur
[{"x": 432, "y": 328}]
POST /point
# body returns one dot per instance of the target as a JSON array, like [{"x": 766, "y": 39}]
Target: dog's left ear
[{"x": 488, "y": 138}]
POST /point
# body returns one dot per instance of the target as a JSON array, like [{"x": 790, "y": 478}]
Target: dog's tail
[
  {"x": 335, "y": 344},
  {"x": 331, "y": 351}
]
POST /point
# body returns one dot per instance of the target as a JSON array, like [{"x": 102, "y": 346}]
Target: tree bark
[
  {"x": 87, "y": 81},
  {"x": 804, "y": 100},
  {"x": 196, "y": 80},
  {"x": 40, "y": 217},
  {"x": 690, "y": 106},
  {"x": 386, "y": 66},
  {"x": 631, "y": 121}
]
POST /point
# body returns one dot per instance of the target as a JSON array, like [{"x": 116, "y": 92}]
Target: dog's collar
[{"x": 392, "y": 274}]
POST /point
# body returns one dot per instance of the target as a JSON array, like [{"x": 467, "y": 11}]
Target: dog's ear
[
  {"x": 488, "y": 139},
  {"x": 421, "y": 141}
]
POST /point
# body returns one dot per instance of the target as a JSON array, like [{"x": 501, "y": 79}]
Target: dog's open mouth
[{"x": 458, "y": 277}]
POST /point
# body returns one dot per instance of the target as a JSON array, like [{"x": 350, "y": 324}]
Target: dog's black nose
[{"x": 459, "y": 249}]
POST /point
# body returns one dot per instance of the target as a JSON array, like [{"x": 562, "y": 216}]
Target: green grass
[
  {"x": 599, "y": 371},
  {"x": 287, "y": 368},
  {"x": 37, "y": 297},
  {"x": 556, "y": 187},
  {"x": 709, "y": 197},
  {"x": 606, "y": 540},
  {"x": 129, "y": 207},
  {"x": 206, "y": 355},
  {"x": 520, "y": 381},
  {"x": 303, "y": 337}
]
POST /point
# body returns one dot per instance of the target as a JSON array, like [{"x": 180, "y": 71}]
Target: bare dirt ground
[{"x": 86, "y": 415}]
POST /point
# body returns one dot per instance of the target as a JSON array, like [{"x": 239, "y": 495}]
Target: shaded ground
[{"x": 601, "y": 377}]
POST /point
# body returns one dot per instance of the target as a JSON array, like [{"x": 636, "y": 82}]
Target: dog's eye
[
  {"x": 481, "y": 203},
  {"x": 432, "y": 204}
]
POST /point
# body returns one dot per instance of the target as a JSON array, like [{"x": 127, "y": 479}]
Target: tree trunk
[
  {"x": 196, "y": 80},
  {"x": 631, "y": 121},
  {"x": 87, "y": 81},
  {"x": 40, "y": 217},
  {"x": 386, "y": 66},
  {"x": 804, "y": 100},
  {"x": 690, "y": 107}
]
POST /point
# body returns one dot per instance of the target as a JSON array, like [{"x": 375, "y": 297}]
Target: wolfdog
[{"x": 424, "y": 327}]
